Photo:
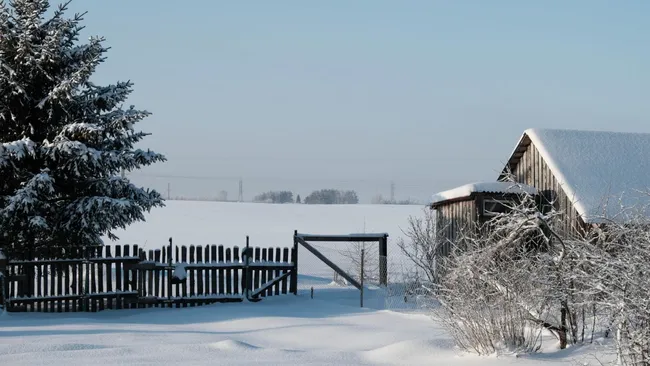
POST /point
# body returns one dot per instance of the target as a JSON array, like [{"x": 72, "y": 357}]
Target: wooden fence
[{"x": 127, "y": 277}]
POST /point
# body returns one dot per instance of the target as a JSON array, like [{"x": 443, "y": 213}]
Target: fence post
[
  {"x": 294, "y": 259},
  {"x": 363, "y": 252},
  {"x": 3, "y": 281},
  {"x": 170, "y": 273},
  {"x": 383, "y": 260},
  {"x": 247, "y": 280}
]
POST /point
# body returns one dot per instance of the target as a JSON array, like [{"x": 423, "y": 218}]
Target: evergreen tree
[
  {"x": 63, "y": 140},
  {"x": 298, "y": 199}
]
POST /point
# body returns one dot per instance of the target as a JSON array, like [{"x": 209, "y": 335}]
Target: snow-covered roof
[
  {"x": 481, "y": 187},
  {"x": 594, "y": 167}
]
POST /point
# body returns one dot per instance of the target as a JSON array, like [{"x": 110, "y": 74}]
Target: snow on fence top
[
  {"x": 599, "y": 171},
  {"x": 482, "y": 187}
]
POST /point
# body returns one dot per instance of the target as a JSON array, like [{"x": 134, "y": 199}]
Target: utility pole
[
  {"x": 169, "y": 190},
  {"x": 241, "y": 190},
  {"x": 392, "y": 192}
]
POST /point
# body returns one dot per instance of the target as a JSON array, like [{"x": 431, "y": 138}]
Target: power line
[{"x": 422, "y": 183}]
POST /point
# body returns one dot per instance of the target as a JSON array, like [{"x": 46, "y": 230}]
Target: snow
[
  {"x": 329, "y": 329},
  {"x": 599, "y": 171},
  {"x": 180, "y": 271},
  {"x": 481, "y": 187},
  {"x": 285, "y": 330}
]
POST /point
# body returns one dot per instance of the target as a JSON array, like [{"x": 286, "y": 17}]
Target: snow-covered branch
[{"x": 63, "y": 139}]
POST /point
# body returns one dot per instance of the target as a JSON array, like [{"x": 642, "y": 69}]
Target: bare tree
[
  {"x": 370, "y": 260},
  {"x": 421, "y": 247}
]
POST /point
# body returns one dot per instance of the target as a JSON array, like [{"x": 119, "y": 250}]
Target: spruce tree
[{"x": 63, "y": 139}]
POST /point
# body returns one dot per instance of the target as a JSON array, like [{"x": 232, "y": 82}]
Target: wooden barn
[
  {"x": 587, "y": 175},
  {"x": 471, "y": 205}
]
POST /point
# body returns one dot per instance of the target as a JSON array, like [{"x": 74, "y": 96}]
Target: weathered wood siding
[
  {"x": 451, "y": 218},
  {"x": 533, "y": 170}
]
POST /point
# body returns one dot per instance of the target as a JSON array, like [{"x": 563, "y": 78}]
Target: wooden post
[
  {"x": 170, "y": 273},
  {"x": 363, "y": 252},
  {"x": 86, "y": 265},
  {"x": 294, "y": 259},
  {"x": 3, "y": 281},
  {"x": 383, "y": 260},
  {"x": 248, "y": 275}
]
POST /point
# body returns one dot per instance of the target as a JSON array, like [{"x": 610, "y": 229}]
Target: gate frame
[{"x": 304, "y": 239}]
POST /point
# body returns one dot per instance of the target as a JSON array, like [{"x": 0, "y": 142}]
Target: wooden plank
[
  {"x": 285, "y": 259},
  {"x": 54, "y": 291},
  {"x": 221, "y": 277},
  {"x": 293, "y": 285},
  {"x": 143, "y": 275},
  {"x": 246, "y": 273},
  {"x": 277, "y": 273},
  {"x": 99, "y": 267},
  {"x": 213, "y": 272},
  {"x": 266, "y": 286},
  {"x": 133, "y": 279},
  {"x": 256, "y": 272},
  {"x": 192, "y": 274},
  {"x": 150, "y": 276},
  {"x": 269, "y": 272},
  {"x": 92, "y": 271},
  {"x": 67, "y": 281},
  {"x": 235, "y": 274},
  {"x": 263, "y": 271},
  {"x": 177, "y": 291},
  {"x": 184, "y": 302},
  {"x": 66, "y": 290},
  {"x": 229, "y": 272},
  {"x": 79, "y": 280},
  {"x": 157, "y": 257},
  {"x": 59, "y": 286},
  {"x": 118, "y": 276},
  {"x": 39, "y": 285},
  {"x": 184, "y": 285},
  {"x": 343, "y": 238},
  {"x": 109, "y": 275},
  {"x": 199, "y": 272},
  {"x": 206, "y": 274},
  {"x": 329, "y": 263},
  {"x": 165, "y": 279}
]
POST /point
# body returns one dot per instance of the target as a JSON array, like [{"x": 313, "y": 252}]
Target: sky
[{"x": 304, "y": 95}]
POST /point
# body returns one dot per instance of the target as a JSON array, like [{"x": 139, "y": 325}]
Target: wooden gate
[{"x": 122, "y": 277}]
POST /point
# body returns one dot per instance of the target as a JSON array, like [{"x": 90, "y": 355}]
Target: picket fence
[{"x": 128, "y": 277}]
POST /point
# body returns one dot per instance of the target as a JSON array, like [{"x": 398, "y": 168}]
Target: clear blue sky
[{"x": 353, "y": 94}]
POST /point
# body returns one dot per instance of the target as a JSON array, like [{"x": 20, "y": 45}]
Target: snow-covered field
[
  {"x": 201, "y": 223},
  {"x": 284, "y": 330}
]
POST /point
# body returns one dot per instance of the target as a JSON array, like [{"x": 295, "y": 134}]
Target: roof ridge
[{"x": 533, "y": 129}]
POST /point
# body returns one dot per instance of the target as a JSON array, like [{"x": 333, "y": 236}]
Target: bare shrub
[
  {"x": 421, "y": 248},
  {"x": 616, "y": 268},
  {"x": 510, "y": 278}
]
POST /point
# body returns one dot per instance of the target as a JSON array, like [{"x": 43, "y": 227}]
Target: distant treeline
[
  {"x": 323, "y": 196},
  {"x": 319, "y": 197}
]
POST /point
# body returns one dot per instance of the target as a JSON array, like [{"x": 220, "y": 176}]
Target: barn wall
[
  {"x": 451, "y": 218},
  {"x": 533, "y": 170}
]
